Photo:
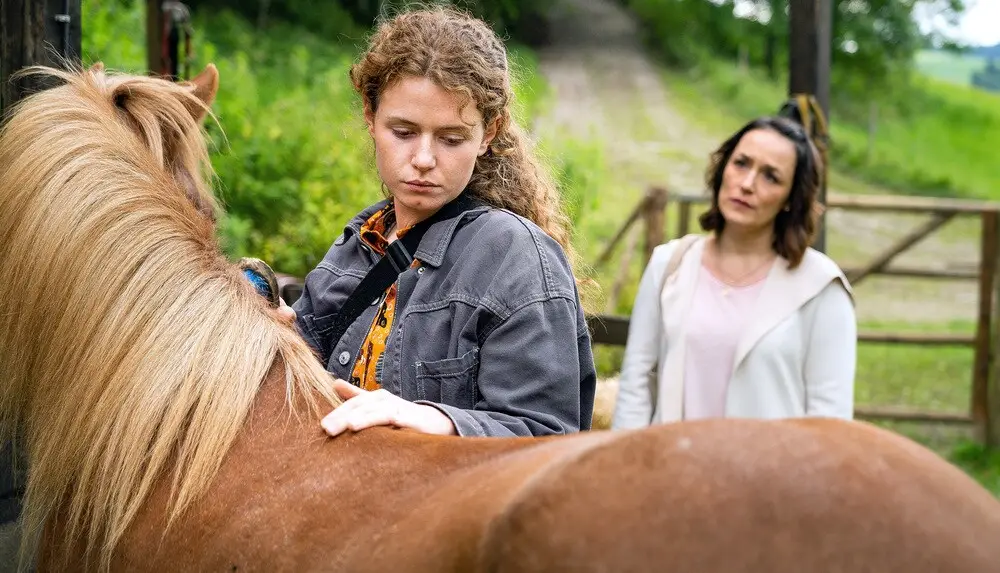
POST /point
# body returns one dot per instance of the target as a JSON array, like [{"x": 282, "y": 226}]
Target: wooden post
[
  {"x": 154, "y": 38},
  {"x": 993, "y": 383},
  {"x": 810, "y": 32},
  {"x": 639, "y": 211},
  {"x": 985, "y": 353},
  {"x": 872, "y": 131},
  {"x": 34, "y": 32},
  {"x": 810, "y": 39},
  {"x": 683, "y": 218},
  {"x": 168, "y": 37},
  {"x": 879, "y": 263},
  {"x": 623, "y": 275},
  {"x": 655, "y": 216}
]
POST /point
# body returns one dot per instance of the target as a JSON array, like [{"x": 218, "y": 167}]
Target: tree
[
  {"x": 874, "y": 41},
  {"x": 989, "y": 78}
]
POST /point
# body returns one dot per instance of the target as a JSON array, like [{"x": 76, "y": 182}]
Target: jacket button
[
  {"x": 420, "y": 271},
  {"x": 344, "y": 358}
]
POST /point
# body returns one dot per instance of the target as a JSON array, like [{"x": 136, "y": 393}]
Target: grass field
[
  {"x": 940, "y": 139},
  {"x": 949, "y": 149}
]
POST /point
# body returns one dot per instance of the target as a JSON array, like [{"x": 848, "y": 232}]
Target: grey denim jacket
[{"x": 489, "y": 329}]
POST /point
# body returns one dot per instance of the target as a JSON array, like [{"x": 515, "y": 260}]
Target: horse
[{"x": 171, "y": 420}]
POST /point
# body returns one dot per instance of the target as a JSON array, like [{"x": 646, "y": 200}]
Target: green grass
[
  {"x": 981, "y": 464},
  {"x": 293, "y": 131},
  {"x": 937, "y": 379},
  {"x": 947, "y": 148},
  {"x": 949, "y": 67},
  {"x": 941, "y": 139}
]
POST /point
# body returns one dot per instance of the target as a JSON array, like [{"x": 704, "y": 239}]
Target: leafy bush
[
  {"x": 115, "y": 33},
  {"x": 293, "y": 159}
]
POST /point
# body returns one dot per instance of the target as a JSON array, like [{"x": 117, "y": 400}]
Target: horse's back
[
  {"x": 446, "y": 525},
  {"x": 712, "y": 496},
  {"x": 724, "y": 496},
  {"x": 379, "y": 500}
]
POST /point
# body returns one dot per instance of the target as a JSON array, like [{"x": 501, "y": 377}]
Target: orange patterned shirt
[{"x": 373, "y": 233}]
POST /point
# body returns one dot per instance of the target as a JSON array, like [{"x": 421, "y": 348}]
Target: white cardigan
[{"x": 796, "y": 357}]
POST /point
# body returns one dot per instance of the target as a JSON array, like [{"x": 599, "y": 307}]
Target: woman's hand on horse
[
  {"x": 285, "y": 312},
  {"x": 363, "y": 409}
]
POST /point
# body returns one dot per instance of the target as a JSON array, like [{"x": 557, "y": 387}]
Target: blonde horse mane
[{"x": 130, "y": 346}]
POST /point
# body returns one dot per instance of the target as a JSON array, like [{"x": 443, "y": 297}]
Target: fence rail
[{"x": 984, "y": 407}]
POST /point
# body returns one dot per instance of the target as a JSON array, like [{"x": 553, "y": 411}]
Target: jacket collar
[
  {"x": 435, "y": 241},
  {"x": 353, "y": 226},
  {"x": 784, "y": 292}
]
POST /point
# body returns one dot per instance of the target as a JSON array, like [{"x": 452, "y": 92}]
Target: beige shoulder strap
[{"x": 683, "y": 244}]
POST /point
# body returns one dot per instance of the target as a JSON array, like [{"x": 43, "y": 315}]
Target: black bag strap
[{"x": 398, "y": 257}]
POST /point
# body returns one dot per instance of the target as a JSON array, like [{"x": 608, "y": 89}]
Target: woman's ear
[{"x": 489, "y": 135}]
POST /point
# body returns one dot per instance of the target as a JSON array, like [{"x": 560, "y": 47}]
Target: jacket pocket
[{"x": 451, "y": 381}]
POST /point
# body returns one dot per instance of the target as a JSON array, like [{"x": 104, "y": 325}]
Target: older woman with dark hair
[{"x": 746, "y": 320}]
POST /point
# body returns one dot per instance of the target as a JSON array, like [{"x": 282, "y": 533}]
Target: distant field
[{"x": 955, "y": 68}]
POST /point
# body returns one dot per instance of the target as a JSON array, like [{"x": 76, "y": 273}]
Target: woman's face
[
  {"x": 757, "y": 180},
  {"x": 426, "y": 145}
]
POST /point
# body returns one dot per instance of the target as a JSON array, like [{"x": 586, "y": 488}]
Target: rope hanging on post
[
  {"x": 805, "y": 109},
  {"x": 176, "y": 22}
]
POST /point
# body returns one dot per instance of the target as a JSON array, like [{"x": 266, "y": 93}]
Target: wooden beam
[
  {"x": 810, "y": 32},
  {"x": 993, "y": 381},
  {"x": 34, "y": 32},
  {"x": 909, "y": 415},
  {"x": 154, "y": 38},
  {"x": 905, "y": 242},
  {"x": 654, "y": 214},
  {"x": 910, "y": 204},
  {"x": 22, "y": 42},
  {"x": 809, "y": 45},
  {"x": 985, "y": 355},
  {"x": 608, "y": 329},
  {"x": 605, "y": 255},
  {"x": 613, "y": 330},
  {"x": 63, "y": 28},
  {"x": 896, "y": 203},
  {"x": 683, "y": 219},
  {"x": 623, "y": 274},
  {"x": 290, "y": 286},
  {"x": 917, "y": 338},
  {"x": 912, "y": 272}
]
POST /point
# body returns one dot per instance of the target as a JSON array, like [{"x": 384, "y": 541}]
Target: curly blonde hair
[{"x": 463, "y": 54}]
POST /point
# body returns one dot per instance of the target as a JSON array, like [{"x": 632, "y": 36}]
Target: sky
[{"x": 979, "y": 26}]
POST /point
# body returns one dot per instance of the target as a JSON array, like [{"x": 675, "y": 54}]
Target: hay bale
[{"x": 604, "y": 403}]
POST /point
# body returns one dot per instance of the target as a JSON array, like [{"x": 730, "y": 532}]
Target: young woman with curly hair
[{"x": 483, "y": 334}]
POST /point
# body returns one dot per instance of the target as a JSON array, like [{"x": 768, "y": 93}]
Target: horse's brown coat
[
  {"x": 709, "y": 497},
  {"x": 712, "y": 497}
]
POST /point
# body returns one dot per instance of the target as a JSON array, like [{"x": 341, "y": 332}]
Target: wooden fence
[{"x": 984, "y": 409}]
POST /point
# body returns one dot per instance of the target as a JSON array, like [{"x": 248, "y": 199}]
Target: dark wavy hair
[{"x": 794, "y": 229}]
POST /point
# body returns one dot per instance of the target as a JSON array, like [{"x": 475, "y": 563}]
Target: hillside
[
  {"x": 652, "y": 125},
  {"x": 949, "y": 66},
  {"x": 988, "y": 51}
]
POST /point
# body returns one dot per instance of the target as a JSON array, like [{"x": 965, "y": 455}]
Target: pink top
[{"x": 716, "y": 321}]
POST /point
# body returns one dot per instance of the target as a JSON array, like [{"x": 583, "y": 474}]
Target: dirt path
[{"x": 607, "y": 88}]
